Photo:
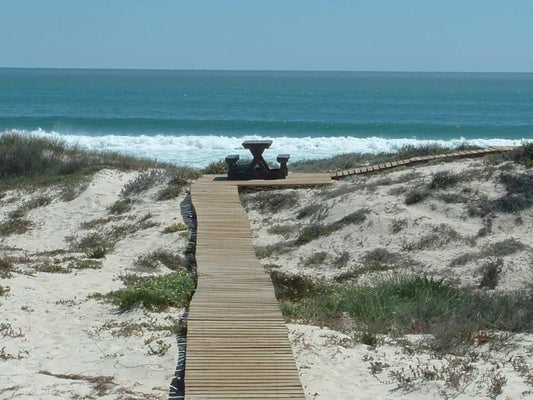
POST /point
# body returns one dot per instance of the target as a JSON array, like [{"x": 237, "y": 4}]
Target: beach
[{"x": 64, "y": 336}]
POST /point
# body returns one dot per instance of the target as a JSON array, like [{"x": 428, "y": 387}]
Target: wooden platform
[{"x": 237, "y": 343}]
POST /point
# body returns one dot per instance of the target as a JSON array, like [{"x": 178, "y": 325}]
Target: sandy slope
[{"x": 51, "y": 326}]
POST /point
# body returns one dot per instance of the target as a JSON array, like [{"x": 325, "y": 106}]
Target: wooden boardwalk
[
  {"x": 237, "y": 343},
  {"x": 417, "y": 160}
]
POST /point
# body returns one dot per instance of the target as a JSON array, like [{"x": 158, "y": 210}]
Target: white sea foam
[{"x": 198, "y": 151}]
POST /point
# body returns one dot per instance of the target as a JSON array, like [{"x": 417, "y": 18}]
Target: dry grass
[
  {"x": 15, "y": 226},
  {"x": 102, "y": 385}
]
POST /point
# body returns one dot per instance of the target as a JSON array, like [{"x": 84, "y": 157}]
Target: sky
[{"x": 346, "y": 35}]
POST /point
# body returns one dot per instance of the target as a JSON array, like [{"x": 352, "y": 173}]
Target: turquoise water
[{"x": 198, "y": 116}]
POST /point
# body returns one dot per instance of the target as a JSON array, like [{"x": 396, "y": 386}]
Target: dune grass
[
  {"x": 315, "y": 231},
  {"x": 156, "y": 293},
  {"x": 406, "y": 305},
  {"x": 32, "y": 161}
]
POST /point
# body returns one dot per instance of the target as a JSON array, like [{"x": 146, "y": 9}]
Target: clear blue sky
[{"x": 354, "y": 35}]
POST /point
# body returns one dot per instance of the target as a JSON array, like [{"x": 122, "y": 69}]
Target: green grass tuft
[{"x": 156, "y": 293}]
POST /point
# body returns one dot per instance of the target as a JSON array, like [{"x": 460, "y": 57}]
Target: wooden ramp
[{"x": 237, "y": 343}]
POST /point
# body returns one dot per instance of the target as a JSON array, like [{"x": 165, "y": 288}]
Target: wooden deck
[{"x": 237, "y": 343}]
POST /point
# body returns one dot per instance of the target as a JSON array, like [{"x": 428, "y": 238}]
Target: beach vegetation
[
  {"x": 518, "y": 196},
  {"x": 341, "y": 260},
  {"x": 6, "y": 267},
  {"x": 179, "y": 179},
  {"x": 343, "y": 189},
  {"x": 453, "y": 198},
  {"x": 443, "y": 180},
  {"x": 95, "y": 223},
  {"x": 389, "y": 180},
  {"x": 315, "y": 259},
  {"x": 4, "y": 290},
  {"x": 312, "y": 210},
  {"x": 273, "y": 201},
  {"x": 121, "y": 206},
  {"x": 524, "y": 155},
  {"x": 499, "y": 249},
  {"x": 284, "y": 230},
  {"x": 416, "y": 195},
  {"x": 80, "y": 263},
  {"x": 313, "y": 232},
  {"x": 144, "y": 181},
  {"x": 90, "y": 242},
  {"x": 36, "y": 202},
  {"x": 102, "y": 385},
  {"x": 316, "y": 230},
  {"x": 519, "y": 155},
  {"x": 380, "y": 259},
  {"x": 52, "y": 269},
  {"x": 439, "y": 236},
  {"x": 377, "y": 260},
  {"x": 72, "y": 190},
  {"x": 289, "y": 286},
  {"x": 28, "y": 160},
  {"x": 179, "y": 227},
  {"x": 274, "y": 248},
  {"x": 169, "y": 192},
  {"x": 407, "y": 305},
  {"x": 160, "y": 257},
  {"x": 155, "y": 293},
  {"x": 97, "y": 253},
  {"x": 398, "y": 224},
  {"x": 15, "y": 226},
  {"x": 490, "y": 272},
  {"x": 108, "y": 238},
  {"x": 398, "y": 190},
  {"x": 215, "y": 168}
]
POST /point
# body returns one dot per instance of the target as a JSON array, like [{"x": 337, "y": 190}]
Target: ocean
[{"x": 196, "y": 117}]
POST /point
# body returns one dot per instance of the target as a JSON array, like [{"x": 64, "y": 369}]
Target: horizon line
[{"x": 269, "y": 70}]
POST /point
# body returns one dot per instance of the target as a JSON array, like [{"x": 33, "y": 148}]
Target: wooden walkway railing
[{"x": 237, "y": 343}]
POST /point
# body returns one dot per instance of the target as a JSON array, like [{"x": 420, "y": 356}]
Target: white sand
[
  {"x": 51, "y": 326},
  {"x": 334, "y": 366}
]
